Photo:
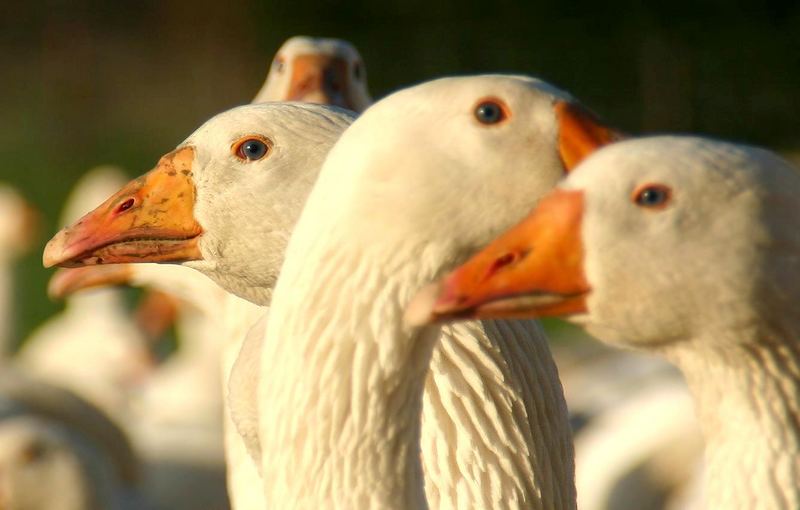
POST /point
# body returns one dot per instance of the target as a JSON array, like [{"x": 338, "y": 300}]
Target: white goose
[
  {"x": 687, "y": 247},
  {"x": 261, "y": 190},
  {"x": 305, "y": 69},
  {"x": 478, "y": 393},
  {"x": 384, "y": 218}
]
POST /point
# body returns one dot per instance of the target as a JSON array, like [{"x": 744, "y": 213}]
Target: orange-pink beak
[
  {"x": 67, "y": 281},
  {"x": 533, "y": 270},
  {"x": 322, "y": 79},
  {"x": 149, "y": 220}
]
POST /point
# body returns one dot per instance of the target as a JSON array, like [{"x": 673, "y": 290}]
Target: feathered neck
[
  {"x": 346, "y": 412},
  {"x": 747, "y": 392}
]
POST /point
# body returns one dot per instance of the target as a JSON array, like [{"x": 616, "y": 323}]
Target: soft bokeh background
[{"x": 86, "y": 82}]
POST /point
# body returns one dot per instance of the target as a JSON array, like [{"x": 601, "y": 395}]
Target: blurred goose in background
[
  {"x": 93, "y": 347},
  {"x": 637, "y": 442},
  {"x": 556, "y": 134},
  {"x": 18, "y": 231},
  {"x": 175, "y": 414},
  {"x": 58, "y": 451},
  {"x": 683, "y": 246},
  {"x": 305, "y": 69}
]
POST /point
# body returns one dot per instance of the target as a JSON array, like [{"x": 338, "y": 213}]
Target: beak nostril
[
  {"x": 501, "y": 262},
  {"x": 124, "y": 206}
]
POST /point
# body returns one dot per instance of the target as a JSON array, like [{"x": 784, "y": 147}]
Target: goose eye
[
  {"x": 251, "y": 149},
  {"x": 33, "y": 452},
  {"x": 654, "y": 196},
  {"x": 490, "y": 111},
  {"x": 279, "y": 64},
  {"x": 357, "y": 71}
]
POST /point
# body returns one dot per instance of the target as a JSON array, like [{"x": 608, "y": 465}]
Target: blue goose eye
[
  {"x": 490, "y": 111},
  {"x": 653, "y": 196},
  {"x": 251, "y": 148},
  {"x": 278, "y": 64}
]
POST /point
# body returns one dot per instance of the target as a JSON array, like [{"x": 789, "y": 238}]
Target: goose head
[
  {"x": 317, "y": 70},
  {"x": 18, "y": 223},
  {"x": 649, "y": 243},
  {"x": 327, "y": 71},
  {"x": 415, "y": 159},
  {"x": 223, "y": 202},
  {"x": 41, "y": 466}
]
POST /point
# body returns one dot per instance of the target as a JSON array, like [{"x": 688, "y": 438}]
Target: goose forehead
[
  {"x": 297, "y": 122},
  {"x": 428, "y": 108},
  {"x": 452, "y": 92},
  {"x": 690, "y": 164}
]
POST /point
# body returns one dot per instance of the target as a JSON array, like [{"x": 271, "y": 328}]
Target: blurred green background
[{"x": 88, "y": 82}]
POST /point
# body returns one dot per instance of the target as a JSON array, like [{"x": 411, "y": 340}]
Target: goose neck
[
  {"x": 747, "y": 393},
  {"x": 354, "y": 371}
]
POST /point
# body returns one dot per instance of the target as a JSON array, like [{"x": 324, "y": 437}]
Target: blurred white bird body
[
  {"x": 95, "y": 328},
  {"x": 57, "y": 451},
  {"x": 640, "y": 445}
]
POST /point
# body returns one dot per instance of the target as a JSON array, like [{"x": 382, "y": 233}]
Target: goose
[
  {"x": 95, "y": 327},
  {"x": 18, "y": 230},
  {"x": 384, "y": 218},
  {"x": 701, "y": 269},
  {"x": 317, "y": 70},
  {"x": 58, "y": 451},
  {"x": 299, "y": 136},
  {"x": 475, "y": 382}
]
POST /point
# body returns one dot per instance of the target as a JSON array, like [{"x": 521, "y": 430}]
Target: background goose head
[
  {"x": 649, "y": 243},
  {"x": 223, "y": 202},
  {"x": 18, "y": 224},
  {"x": 317, "y": 70}
]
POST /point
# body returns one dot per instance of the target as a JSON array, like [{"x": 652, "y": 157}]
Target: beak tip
[
  {"x": 55, "y": 251},
  {"x": 422, "y": 309}
]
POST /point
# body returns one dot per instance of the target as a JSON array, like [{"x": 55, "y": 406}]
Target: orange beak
[
  {"x": 534, "y": 270},
  {"x": 149, "y": 220},
  {"x": 320, "y": 79},
  {"x": 580, "y": 133},
  {"x": 156, "y": 313},
  {"x": 67, "y": 281}
]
